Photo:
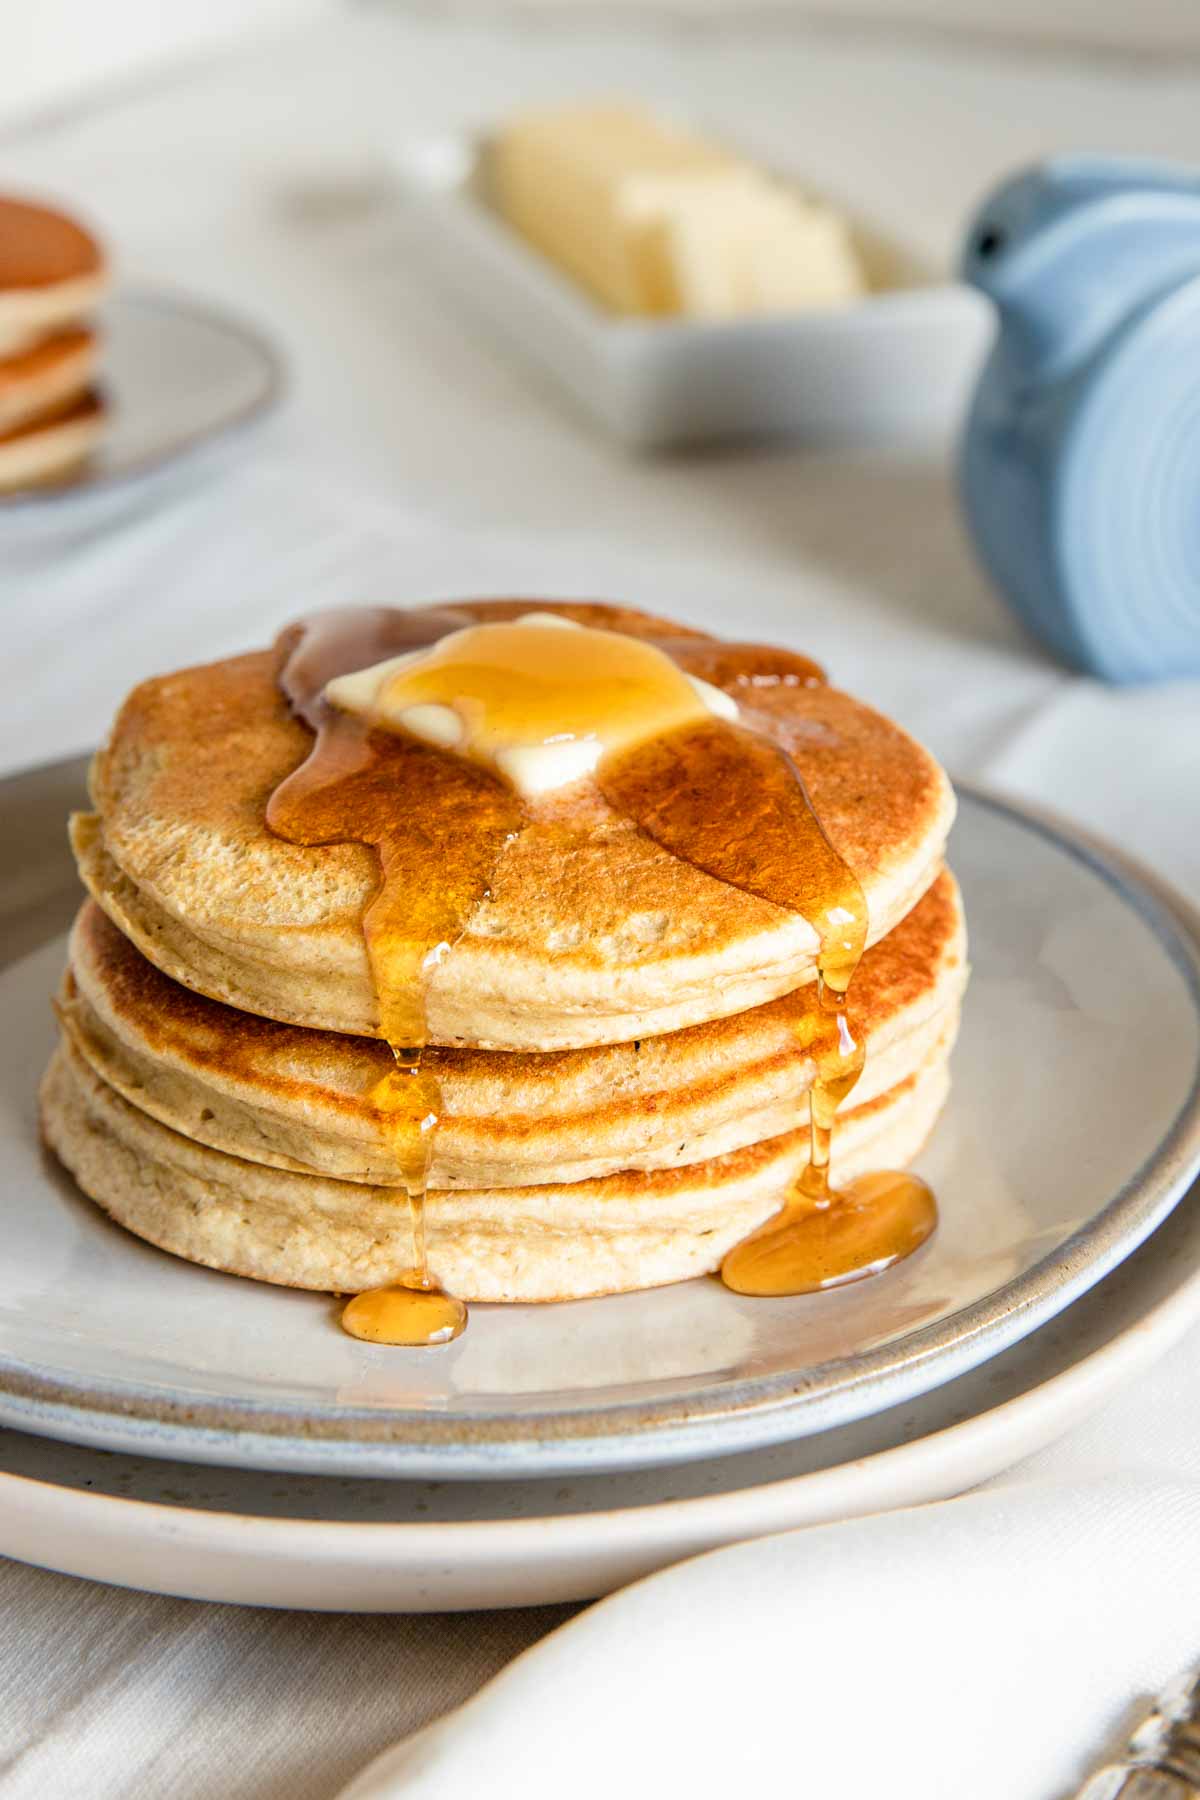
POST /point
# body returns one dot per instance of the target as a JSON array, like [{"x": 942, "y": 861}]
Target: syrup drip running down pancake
[
  {"x": 523, "y": 683},
  {"x": 348, "y": 789},
  {"x": 734, "y": 804},
  {"x": 714, "y": 790}
]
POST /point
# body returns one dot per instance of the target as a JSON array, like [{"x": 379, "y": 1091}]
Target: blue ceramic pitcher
[{"x": 1080, "y": 467}]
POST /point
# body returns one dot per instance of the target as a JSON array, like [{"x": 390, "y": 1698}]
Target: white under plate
[
  {"x": 401, "y": 1546},
  {"x": 1073, "y": 1128},
  {"x": 178, "y": 377},
  {"x": 896, "y": 365}
]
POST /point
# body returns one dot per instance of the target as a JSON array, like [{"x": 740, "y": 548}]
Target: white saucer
[
  {"x": 376, "y": 1546},
  {"x": 178, "y": 376}
]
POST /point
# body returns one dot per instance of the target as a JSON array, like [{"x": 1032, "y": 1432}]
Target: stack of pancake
[
  {"x": 620, "y": 1040},
  {"x": 52, "y": 275}
]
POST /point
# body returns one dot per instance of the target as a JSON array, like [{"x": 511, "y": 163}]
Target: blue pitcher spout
[{"x": 1069, "y": 249}]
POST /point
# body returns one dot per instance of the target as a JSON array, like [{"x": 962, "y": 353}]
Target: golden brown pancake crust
[
  {"x": 40, "y": 360},
  {"x": 592, "y": 933},
  {"x": 75, "y": 411},
  {"x": 43, "y": 383},
  {"x": 294, "y": 1097},
  {"x": 40, "y": 247},
  {"x": 173, "y": 1020},
  {"x": 626, "y": 1231}
]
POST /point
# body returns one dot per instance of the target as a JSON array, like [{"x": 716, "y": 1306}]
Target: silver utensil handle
[{"x": 1161, "y": 1760}]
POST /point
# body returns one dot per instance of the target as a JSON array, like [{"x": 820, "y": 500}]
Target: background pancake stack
[
  {"x": 52, "y": 275},
  {"x": 621, "y": 1040}
]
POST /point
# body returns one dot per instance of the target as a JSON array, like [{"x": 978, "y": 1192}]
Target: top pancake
[
  {"x": 40, "y": 247},
  {"x": 592, "y": 933},
  {"x": 52, "y": 271}
]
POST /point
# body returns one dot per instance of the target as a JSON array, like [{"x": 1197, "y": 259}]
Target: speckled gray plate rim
[{"x": 757, "y": 1405}]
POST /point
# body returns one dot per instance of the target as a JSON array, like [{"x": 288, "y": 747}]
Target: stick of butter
[{"x": 654, "y": 221}]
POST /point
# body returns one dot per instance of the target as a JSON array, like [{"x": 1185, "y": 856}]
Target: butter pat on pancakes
[{"x": 540, "y": 699}]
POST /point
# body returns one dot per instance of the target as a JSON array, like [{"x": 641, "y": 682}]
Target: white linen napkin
[{"x": 987, "y": 1648}]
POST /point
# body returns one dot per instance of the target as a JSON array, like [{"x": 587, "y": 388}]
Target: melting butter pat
[
  {"x": 654, "y": 221},
  {"x": 539, "y": 699}
]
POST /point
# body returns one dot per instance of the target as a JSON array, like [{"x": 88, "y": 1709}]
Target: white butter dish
[{"x": 895, "y": 366}]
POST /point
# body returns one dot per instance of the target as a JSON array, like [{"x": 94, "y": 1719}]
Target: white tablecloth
[{"x": 413, "y": 460}]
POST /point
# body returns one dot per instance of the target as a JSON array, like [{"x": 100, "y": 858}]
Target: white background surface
[
  {"x": 60, "y": 52},
  {"x": 63, "y": 51},
  {"x": 256, "y": 180},
  {"x": 1107, "y": 25}
]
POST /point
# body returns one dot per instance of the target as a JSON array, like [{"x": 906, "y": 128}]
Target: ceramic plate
[
  {"x": 178, "y": 376},
  {"x": 1073, "y": 1129},
  {"x": 399, "y": 1546}
]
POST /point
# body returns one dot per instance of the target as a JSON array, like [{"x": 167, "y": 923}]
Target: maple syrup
[
  {"x": 414, "y": 1318},
  {"x": 347, "y": 792},
  {"x": 720, "y": 795},
  {"x": 765, "y": 837},
  {"x": 743, "y": 670}
]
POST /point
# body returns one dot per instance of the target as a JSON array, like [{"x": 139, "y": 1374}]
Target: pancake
[
  {"x": 52, "y": 448},
  {"x": 52, "y": 272},
  {"x": 47, "y": 377},
  {"x": 550, "y": 1242},
  {"x": 295, "y": 1098},
  {"x": 591, "y": 933}
]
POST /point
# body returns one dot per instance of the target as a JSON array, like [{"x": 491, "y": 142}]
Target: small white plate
[
  {"x": 897, "y": 365},
  {"x": 1073, "y": 1128},
  {"x": 179, "y": 377},
  {"x": 398, "y": 1546}
]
